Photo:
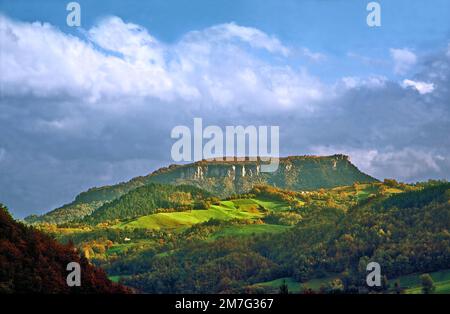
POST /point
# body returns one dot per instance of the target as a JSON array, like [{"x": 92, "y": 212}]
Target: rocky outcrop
[
  {"x": 297, "y": 173},
  {"x": 223, "y": 178}
]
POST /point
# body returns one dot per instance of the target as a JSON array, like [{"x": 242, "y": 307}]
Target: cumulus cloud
[
  {"x": 314, "y": 56},
  {"x": 403, "y": 59},
  {"x": 406, "y": 164},
  {"x": 219, "y": 65},
  {"x": 421, "y": 87},
  {"x": 231, "y": 31}
]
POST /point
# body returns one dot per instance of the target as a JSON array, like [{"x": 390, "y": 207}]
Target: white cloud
[
  {"x": 314, "y": 56},
  {"x": 133, "y": 41},
  {"x": 403, "y": 59},
  {"x": 421, "y": 87},
  {"x": 405, "y": 164},
  {"x": 374, "y": 81},
  {"x": 220, "y": 65},
  {"x": 252, "y": 36}
]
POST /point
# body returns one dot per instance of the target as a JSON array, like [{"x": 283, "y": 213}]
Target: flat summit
[{"x": 222, "y": 178}]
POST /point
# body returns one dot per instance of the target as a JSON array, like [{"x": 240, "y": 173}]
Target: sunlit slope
[
  {"x": 222, "y": 179},
  {"x": 188, "y": 218}
]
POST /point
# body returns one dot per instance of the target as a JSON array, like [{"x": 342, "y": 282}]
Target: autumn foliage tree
[{"x": 32, "y": 262}]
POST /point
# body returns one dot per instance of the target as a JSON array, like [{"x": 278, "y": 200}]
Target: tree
[
  {"x": 384, "y": 284},
  {"x": 391, "y": 182},
  {"x": 284, "y": 289},
  {"x": 397, "y": 287},
  {"x": 427, "y": 284},
  {"x": 202, "y": 204},
  {"x": 332, "y": 287}
]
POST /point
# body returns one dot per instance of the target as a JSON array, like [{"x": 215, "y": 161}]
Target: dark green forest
[{"x": 147, "y": 200}]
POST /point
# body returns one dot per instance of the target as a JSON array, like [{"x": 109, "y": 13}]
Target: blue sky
[
  {"x": 95, "y": 105},
  {"x": 334, "y": 27}
]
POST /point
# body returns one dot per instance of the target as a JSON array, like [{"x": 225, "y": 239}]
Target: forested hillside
[
  {"x": 403, "y": 239},
  {"x": 267, "y": 235},
  {"x": 222, "y": 179},
  {"x": 147, "y": 200},
  {"x": 32, "y": 262},
  {"x": 226, "y": 227},
  {"x": 86, "y": 202}
]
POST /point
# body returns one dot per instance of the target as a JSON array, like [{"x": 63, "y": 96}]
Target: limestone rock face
[
  {"x": 224, "y": 178},
  {"x": 296, "y": 173}
]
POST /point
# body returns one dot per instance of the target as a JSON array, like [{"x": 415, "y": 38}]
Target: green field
[
  {"x": 245, "y": 230},
  {"x": 314, "y": 284},
  {"x": 114, "y": 278},
  {"x": 363, "y": 191},
  {"x": 248, "y": 203},
  {"x": 121, "y": 248},
  {"x": 271, "y": 204},
  {"x": 413, "y": 286},
  {"x": 117, "y": 278},
  {"x": 189, "y": 218},
  {"x": 411, "y": 283},
  {"x": 295, "y": 286}
]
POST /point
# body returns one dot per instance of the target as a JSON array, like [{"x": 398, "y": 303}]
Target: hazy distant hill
[{"x": 222, "y": 179}]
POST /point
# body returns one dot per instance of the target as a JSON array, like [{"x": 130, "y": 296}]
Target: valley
[{"x": 175, "y": 236}]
